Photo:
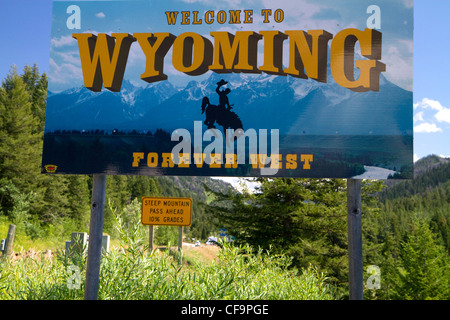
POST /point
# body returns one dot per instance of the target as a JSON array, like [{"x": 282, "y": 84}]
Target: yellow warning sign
[{"x": 166, "y": 211}]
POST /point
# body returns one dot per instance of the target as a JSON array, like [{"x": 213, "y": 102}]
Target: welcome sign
[{"x": 236, "y": 88}]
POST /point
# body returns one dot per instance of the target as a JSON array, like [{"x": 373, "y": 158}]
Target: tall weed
[{"x": 130, "y": 272}]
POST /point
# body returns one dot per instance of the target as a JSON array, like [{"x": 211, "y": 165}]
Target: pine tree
[
  {"x": 19, "y": 156},
  {"x": 425, "y": 273},
  {"x": 36, "y": 86},
  {"x": 22, "y": 109},
  {"x": 304, "y": 218},
  {"x": 79, "y": 200}
]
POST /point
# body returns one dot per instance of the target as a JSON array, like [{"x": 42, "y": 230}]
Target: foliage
[
  {"x": 425, "y": 273},
  {"x": 130, "y": 273},
  {"x": 303, "y": 218},
  {"x": 408, "y": 237},
  {"x": 306, "y": 220}
]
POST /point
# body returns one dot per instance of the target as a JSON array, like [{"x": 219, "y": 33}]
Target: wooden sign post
[
  {"x": 95, "y": 237},
  {"x": 9, "y": 242},
  {"x": 354, "y": 239}
]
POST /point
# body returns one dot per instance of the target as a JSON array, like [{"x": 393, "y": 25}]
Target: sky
[{"x": 26, "y": 40}]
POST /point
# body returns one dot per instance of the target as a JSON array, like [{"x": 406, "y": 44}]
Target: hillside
[
  {"x": 429, "y": 173},
  {"x": 181, "y": 186},
  {"x": 425, "y": 199},
  {"x": 428, "y": 163}
]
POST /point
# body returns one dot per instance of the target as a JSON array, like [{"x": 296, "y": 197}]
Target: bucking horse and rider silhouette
[{"x": 221, "y": 113}]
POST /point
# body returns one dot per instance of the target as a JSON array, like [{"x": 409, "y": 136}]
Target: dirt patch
[
  {"x": 33, "y": 254},
  {"x": 205, "y": 253},
  {"x": 209, "y": 252}
]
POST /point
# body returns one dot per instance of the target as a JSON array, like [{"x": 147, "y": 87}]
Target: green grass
[
  {"x": 134, "y": 275},
  {"x": 130, "y": 272},
  {"x": 52, "y": 237}
]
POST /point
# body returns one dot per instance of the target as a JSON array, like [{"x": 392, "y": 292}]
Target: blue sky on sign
[{"x": 27, "y": 38}]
